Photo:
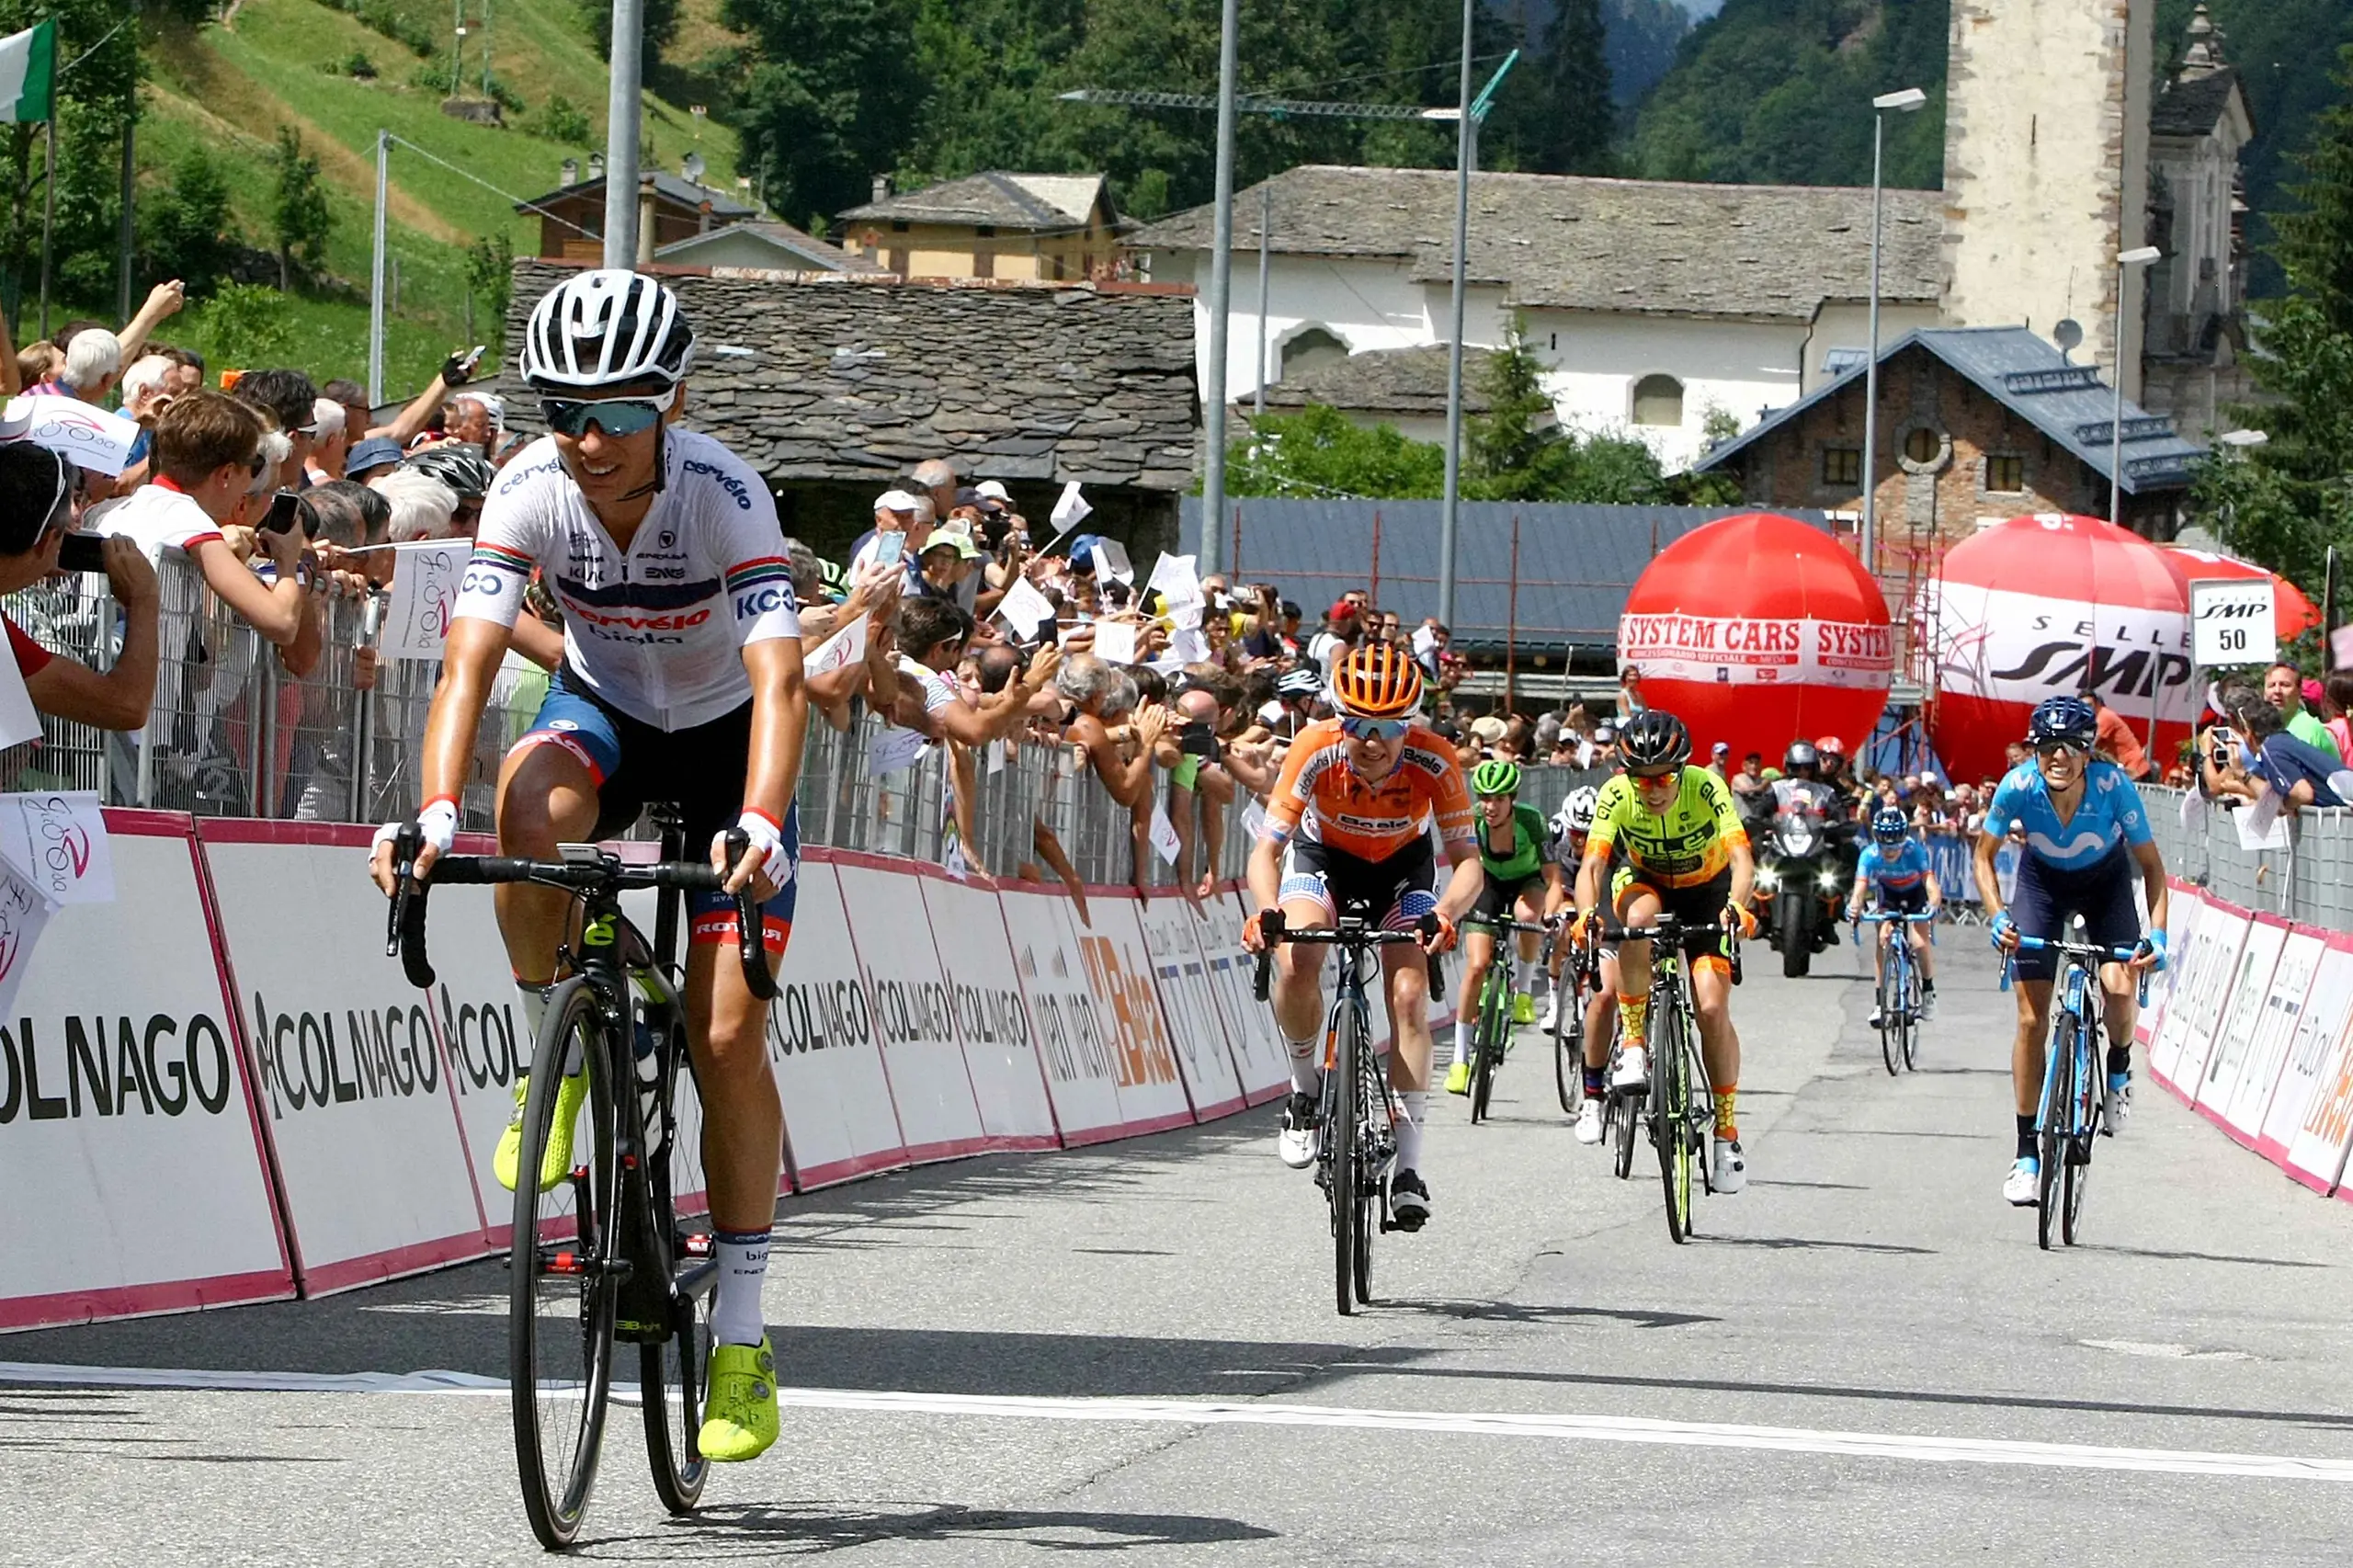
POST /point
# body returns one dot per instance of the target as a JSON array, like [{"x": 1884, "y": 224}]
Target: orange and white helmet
[{"x": 1378, "y": 680}]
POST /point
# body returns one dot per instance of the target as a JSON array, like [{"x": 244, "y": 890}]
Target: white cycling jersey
[{"x": 657, "y": 630}]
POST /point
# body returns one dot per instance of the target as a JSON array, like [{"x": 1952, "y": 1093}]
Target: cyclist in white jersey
[{"x": 681, "y": 682}]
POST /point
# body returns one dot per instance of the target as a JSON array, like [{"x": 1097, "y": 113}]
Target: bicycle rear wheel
[
  {"x": 1671, "y": 1115},
  {"x": 563, "y": 1285},
  {"x": 1493, "y": 1031},
  {"x": 2085, "y": 1111},
  {"x": 676, "y": 1374},
  {"x": 2053, "y": 1146},
  {"x": 1889, "y": 1009},
  {"x": 1911, "y": 1015},
  {"x": 1568, "y": 1042},
  {"x": 1343, "y": 1132}
]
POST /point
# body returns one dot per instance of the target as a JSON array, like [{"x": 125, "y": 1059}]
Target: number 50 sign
[{"x": 2230, "y": 621}]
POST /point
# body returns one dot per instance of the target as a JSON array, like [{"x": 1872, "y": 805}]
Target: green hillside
[{"x": 226, "y": 88}]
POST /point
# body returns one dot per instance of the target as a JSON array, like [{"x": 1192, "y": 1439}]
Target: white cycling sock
[
  {"x": 1306, "y": 1073},
  {"x": 1523, "y": 975},
  {"x": 1462, "y": 1040},
  {"x": 534, "y": 1002},
  {"x": 735, "y": 1314},
  {"x": 1413, "y": 1108}
]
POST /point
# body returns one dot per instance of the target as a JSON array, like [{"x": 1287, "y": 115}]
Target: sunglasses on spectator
[
  {"x": 618, "y": 417},
  {"x": 1375, "y": 729}
]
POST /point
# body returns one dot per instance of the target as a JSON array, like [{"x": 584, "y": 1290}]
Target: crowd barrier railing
[{"x": 2308, "y": 880}]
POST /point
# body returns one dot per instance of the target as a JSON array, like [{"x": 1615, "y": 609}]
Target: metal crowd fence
[
  {"x": 234, "y": 733},
  {"x": 2310, "y": 882}
]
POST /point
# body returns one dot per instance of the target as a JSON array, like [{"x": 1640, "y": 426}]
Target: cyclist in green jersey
[{"x": 1521, "y": 877}]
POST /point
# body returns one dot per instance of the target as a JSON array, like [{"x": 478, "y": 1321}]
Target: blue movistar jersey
[
  {"x": 1898, "y": 871},
  {"x": 2110, "y": 814}
]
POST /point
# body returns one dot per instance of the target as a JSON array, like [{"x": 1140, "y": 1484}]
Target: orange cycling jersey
[{"x": 1321, "y": 797}]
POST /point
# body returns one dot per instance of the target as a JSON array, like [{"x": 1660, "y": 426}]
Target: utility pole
[
  {"x": 1472, "y": 112},
  {"x": 1220, "y": 282},
  {"x": 376, "y": 276},
  {"x": 621, "y": 134}
]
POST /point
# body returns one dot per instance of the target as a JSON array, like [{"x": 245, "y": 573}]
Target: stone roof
[
  {"x": 793, "y": 247},
  {"x": 2192, "y": 105},
  {"x": 1570, "y": 243},
  {"x": 670, "y": 187},
  {"x": 839, "y": 376},
  {"x": 1386, "y": 381},
  {"x": 1007, "y": 200}
]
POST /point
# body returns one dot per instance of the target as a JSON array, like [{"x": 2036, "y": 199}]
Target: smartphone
[
  {"x": 285, "y": 513},
  {"x": 83, "y": 552},
  {"x": 889, "y": 547},
  {"x": 473, "y": 357}
]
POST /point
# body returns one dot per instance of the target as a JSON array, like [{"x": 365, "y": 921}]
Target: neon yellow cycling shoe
[
  {"x": 1458, "y": 1078},
  {"x": 739, "y": 1417},
  {"x": 556, "y": 1161},
  {"x": 1523, "y": 1007}
]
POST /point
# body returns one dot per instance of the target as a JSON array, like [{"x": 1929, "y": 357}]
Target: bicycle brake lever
[{"x": 751, "y": 948}]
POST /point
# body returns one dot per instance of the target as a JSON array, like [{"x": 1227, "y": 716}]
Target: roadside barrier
[
  {"x": 217, "y": 1089},
  {"x": 2253, "y": 1029}
]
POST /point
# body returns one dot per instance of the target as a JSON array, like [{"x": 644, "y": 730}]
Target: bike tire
[
  {"x": 1889, "y": 1045},
  {"x": 1912, "y": 1004},
  {"x": 560, "y": 1322},
  {"x": 1568, "y": 1056},
  {"x": 2086, "y": 1113},
  {"x": 1623, "y": 1119},
  {"x": 1343, "y": 1131},
  {"x": 676, "y": 1374},
  {"x": 1671, "y": 1118},
  {"x": 2051, "y": 1142},
  {"x": 1493, "y": 1031}
]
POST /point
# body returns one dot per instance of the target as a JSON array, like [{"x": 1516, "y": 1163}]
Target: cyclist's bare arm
[
  {"x": 780, "y": 728},
  {"x": 469, "y": 665},
  {"x": 2152, "y": 862},
  {"x": 1463, "y": 887}
]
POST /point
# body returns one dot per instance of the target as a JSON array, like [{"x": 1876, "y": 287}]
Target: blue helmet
[
  {"x": 1889, "y": 826},
  {"x": 2068, "y": 719}
]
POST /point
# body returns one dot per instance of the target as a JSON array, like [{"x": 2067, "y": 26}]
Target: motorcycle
[{"x": 1799, "y": 882}]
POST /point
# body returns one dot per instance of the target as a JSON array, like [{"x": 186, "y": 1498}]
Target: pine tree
[
  {"x": 299, "y": 220},
  {"x": 1579, "y": 117}
]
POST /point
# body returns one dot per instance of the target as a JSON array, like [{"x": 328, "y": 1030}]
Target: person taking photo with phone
[{"x": 37, "y": 541}]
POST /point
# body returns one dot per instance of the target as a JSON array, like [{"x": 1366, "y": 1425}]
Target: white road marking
[
  {"x": 1254, "y": 1413},
  {"x": 2165, "y": 1352}
]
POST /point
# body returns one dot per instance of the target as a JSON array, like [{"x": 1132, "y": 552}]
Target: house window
[
  {"x": 898, "y": 225},
  {"x": 2005, "y": 472},
  {"x": 985, "y": 231},
  {"x": 1308, "y": 349},
  {"x": 1658, "y": 401},
  {"x": 1842, "y": 465},
  {"x": 1922, "y": 445}
]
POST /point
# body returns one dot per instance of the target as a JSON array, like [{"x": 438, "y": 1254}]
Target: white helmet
[
  {"x": 1576, "y": 812},
  {"x": 606, "y": 328}
]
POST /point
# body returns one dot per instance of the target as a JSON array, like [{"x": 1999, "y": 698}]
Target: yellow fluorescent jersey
[{"x": 1689, "y": 842}]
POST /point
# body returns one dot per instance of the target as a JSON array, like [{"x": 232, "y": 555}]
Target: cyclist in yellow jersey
[{"x": 1684, "y": 852}]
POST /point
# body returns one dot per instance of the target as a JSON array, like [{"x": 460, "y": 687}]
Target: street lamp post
[
  {"x": 2125, "y": 262},
  {"x": 1221, "y": 289},
  {"x": 1906, "y": 102}
]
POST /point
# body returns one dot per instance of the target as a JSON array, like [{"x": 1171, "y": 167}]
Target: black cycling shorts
[
  {"x": 1395, "y": 893},
  {"x": 1499, "y": 896},
  {"x": 1913, "y": 900},
  {"x": 2046, "y": 896},
  {"x": 1702, "y": 905}
]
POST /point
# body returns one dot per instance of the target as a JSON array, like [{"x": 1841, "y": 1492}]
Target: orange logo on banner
[
  {"x": 1144, "y": 1056},
  {"x": 2331, "y": 1112}
]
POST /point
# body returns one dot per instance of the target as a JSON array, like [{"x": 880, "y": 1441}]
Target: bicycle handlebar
[
  {"x": 404, "y": 933},
  {"x": 1350, "y": 932},
  {"x": 1500, "y": 925}
]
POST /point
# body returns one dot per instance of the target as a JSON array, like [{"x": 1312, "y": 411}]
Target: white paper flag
[
  {"x": 1071, "y": 509},
  {"x": 19, "y": 722},
  {"x": 1253, "y": 821},
  {"x": 1187, "y": 645},
  {"x": 1115, "y": 642},
  {"x": 58, "y": 843},
  {"x": 840, "y": 651},
  {"x": 1025, "y": 609},
  {"x": 23, "y": 913},
  {"x": 90, "y": 438},
  {"x": 996, "y": 757},
  {"x": 892, "y": 749},
  {"x": 425, "y": 589},
  {"x": 1111, "y": 563},
  {"x": 2261, "y": 825},
  {"x": 1178, "y": 581},
  {"x": 1164, "y": 836}
]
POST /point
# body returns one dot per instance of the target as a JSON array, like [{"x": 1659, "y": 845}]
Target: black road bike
[
  {"x": 603, "y": 1256},
  {"x": 1356, "y": 1124}
]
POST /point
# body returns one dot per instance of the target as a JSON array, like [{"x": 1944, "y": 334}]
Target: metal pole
[
  {"x": 621, "y": 134},
  {"x": 1870, "y": 370},
  {"x": 1451, "y": 517},
  {"x": 2327, "y": 614},
  {"x": 376, "y": 274},
  {"x": 1220, "y": 282},
  {"x": 1265, "y": 206},
  {"x": 47, "y": 215},
  {"x": 2116, "y": 425},
  {"x": 124, "y": 237}
]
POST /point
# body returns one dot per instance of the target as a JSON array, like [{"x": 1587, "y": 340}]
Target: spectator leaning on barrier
[
  {"x": 2283, "y": 687},
  {"x": 36, "y": 511},
  {"x": 208, "y": 453},
  {"x": 292, "y": 402},
  {"x": 2277, "y": 762},
  {"x": 421, "y": 505}
]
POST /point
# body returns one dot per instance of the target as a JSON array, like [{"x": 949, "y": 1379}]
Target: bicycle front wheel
[
  {"x": 1568, "y": 1043},
  {"x": 2052, "y": 1145},
  {"x": 1492, "y": 1033},
  {"x": 1911, "y": 1015},
  {"x": 1890, "y": 1010},
  {"x": 1343, "y": 1132},
  {"x": 1671, "y": 1116},
  {"x": 563, "y": 1262}
]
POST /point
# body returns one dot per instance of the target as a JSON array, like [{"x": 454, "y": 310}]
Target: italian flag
[{"x": 28, "y": 72}]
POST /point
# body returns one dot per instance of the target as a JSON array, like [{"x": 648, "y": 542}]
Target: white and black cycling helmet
[
  {"x": 1576, "y": 812},
  {"x": 606, "y": 328},
  {"x": 458, "y": 465},
  {"x": 1301, "y": 685}
]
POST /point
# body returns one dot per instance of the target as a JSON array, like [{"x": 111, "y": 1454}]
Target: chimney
[
  {"x": 596, "y": 165},
  {"x": 572, "y": 171},
  {"x": 881, "y": 188}
]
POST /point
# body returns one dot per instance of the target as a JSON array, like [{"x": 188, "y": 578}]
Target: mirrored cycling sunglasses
[
  {"x": 1375, "y": 729},
  {"x": 1661, "y": 776},
  {"x": 618, "y": 417},
  {"x": 2059, "y": 749}
]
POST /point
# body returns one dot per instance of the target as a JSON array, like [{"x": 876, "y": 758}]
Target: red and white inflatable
[
  {"x": 2293, "y": 613},
  {"x": 2044, "y": 605},
  {"x": 1758, "y": 629}
]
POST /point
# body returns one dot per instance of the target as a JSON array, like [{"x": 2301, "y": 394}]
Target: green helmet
[{"x": 1495, "y": 776}]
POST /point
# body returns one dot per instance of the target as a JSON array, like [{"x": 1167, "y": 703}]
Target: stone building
[
  {"x": 835, "y": 385},
  {"x": 995, "y": 225},
  {"x": 1977, "y": 426},
  {"x": 671, "y": 208}
]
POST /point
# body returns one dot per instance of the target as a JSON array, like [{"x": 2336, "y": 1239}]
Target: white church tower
[{"x": 2046, "y": 168}]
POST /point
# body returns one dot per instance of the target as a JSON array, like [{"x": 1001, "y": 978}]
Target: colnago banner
[
  {"x": 2275, "y": 1033},
  {"x": 1152, "y": 1091},
  {"x": 2310, "y": 1057},
  {"x": 993, "y": 1018},
  {"x": 839, "y": 1120},
  {"x": 2217, "y": 1078},
  {"x": 486, "y": 1045},
  {"x": 1259, "y": 1054},
  {"x": 129, "y": 1153},
  {"x": 1744, "y": 650},
  {"x": 355, "y": 1101},
  {"x": 1172, "y": 938},
  {"x": 2208, "y": 968},
  {"x": 915, "y": 1016},
  {"x": 2183, "y": 906},
  {"x": 2324, "y": 1135},
  {"x": 2000, "y": 645},
  {"x": 1076, "y": 1034}
]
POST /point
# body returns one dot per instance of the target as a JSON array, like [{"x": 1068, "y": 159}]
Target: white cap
[
  {"x": 895, "y": 501},
  {"x": 994, "y": 490}
]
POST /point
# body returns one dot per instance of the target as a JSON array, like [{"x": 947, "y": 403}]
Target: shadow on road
[
  {"x": 759, "y": 1531},
  {"x": 1798, "y": 1244},
  {"x": 1537, "y": 1312}
]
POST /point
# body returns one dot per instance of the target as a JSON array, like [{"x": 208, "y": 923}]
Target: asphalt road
[{"x": 1864, "y": 1358}]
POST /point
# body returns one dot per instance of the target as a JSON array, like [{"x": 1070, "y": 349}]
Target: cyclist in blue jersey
[
  {"x": 1894, "y": 872},
  {"x": 2086, "y": 832}
]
